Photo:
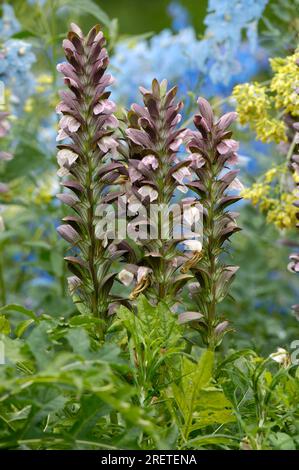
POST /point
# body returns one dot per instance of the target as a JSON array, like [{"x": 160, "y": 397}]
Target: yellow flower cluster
[
  {"x": 252, "y": 102},
  {"x": 278, "y": 206},
  {"x": 271, "y": 174},
  {"x": 253, "y": 105},
  {"x": 285, "y": 82},
  {"x": 283, "y": 212},
  {"x": 262, "y": 108},
  {"x": 270, "y": 130},
  {"x": 258, "y": 104},
  {"x": 257, "y": 193}
]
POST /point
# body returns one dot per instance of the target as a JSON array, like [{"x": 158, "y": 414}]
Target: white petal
[
  {"x": 146, "y": 191},
  {"x": 125, "y": 277},
  {"x": 237, "y": 185},
  {"x": 142, "y": 273},
  {"x": 193, "y": 245},
  {"x": 279, "y": 356}
]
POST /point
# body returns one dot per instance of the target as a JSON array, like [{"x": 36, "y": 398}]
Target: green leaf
[
  {"x": 38, "y": 343},
  {"x": 79, "y": 341},
  {"x": 4, "y": 325},
  {"x": 22, "y": 327},
  {"x": 21, "y": 414},
  {"x": 194, "y": 378},
  {"x": 24, "y": 34},
  {"x": 13, "y": 349},
  {"x": 282, "y": 441},
  {"x": 200, "y": 404},
  {"x": 83, "y": 320},
  {"x": 210, "y": 439},
  {"x": 20, "y": 309},
  {"x": 212, "y": 408},
  {"x": 92, "y": 409},
  {"x": 88, "y": 7},
  {"x": 57, "y": 262},
  {"x": 27, "y": 157},
  {"x": 232, "y": 358},
  {"x": 38, "y": 244}
]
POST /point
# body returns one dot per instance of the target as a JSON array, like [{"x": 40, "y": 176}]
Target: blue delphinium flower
[
  {"x": 219, "y": 58},
  {"x": 226, "y": 22},
  {"x": 164, "y": 55},
  {"x": 250, "y": 65},
  {"x": 227, "y": 19},
  {"x": 9, "y": 24},
  {"x": 16, "y": 59},
  {"x": 180, "y": 16}
]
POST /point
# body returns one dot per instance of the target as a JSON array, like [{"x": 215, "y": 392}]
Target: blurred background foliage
[{"x": 152, "y": 16}]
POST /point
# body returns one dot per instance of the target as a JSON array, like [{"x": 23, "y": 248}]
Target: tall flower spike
[
  {"x": 88, "y": 124},
  {"x": 293, "y": 265},
  {"x": 211, "y": 151},
  {"x": 155, "y": 173}
]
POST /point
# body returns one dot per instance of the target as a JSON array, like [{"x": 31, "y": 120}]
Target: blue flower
[
  {"x": 9, "y": 24},
  {"x": 180, "y": 16},
  {"x": 164, "y": 56},
  {"x": 226, "y": 22},
  {"x": 16, "y": 59},
  {"x": 220, "y": 58}
]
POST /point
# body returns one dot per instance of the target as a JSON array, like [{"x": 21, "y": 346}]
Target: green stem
[
  {"x": 211, "y": 303},
  {"x": 92, "y": 250},
  {"x": 291, "y": 149},
  {"x": 2, "y": 280}
]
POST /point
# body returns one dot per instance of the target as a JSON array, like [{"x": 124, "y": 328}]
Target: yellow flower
[
  {"x": 252, "y": 102},
  {"x": 257, "y": 104},
  {"x": 266, "y": 204},
  {"x": 271, "y": 130},
  {"x": 256, "y": 193},
  {"x": 283, "y": 213},
  {"x": 270, "y": 175},
  {"x": 285, "y": 82}
]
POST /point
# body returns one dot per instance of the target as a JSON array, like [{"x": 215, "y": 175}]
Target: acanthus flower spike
[
  {"x": 87, "y": 129},
  {"x": 293, "y": 265},
  {"x": 155, "y": 173},
  {"x": 212, "y": 151}
]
